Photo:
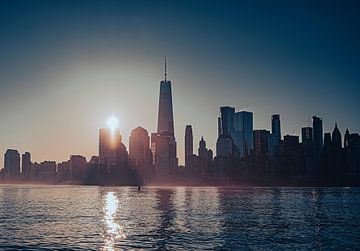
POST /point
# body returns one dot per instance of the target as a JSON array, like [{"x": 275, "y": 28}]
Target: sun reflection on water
[{"x": 113, "y": 231}]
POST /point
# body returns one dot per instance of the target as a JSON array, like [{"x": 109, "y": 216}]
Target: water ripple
[{"x": 121, "y": 218}]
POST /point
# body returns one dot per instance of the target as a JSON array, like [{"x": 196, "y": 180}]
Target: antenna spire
[{"x": 165, "y": 69}]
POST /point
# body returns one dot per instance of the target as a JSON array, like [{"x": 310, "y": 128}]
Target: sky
[{"x": 67, "y": 66}]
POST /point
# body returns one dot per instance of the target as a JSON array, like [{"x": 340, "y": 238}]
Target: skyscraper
[
  {"x": 225, "y": 143},
  {"x": 317, "y": 135},
  {"x": 140, "y": 153},
  {"x": 202, "y": 151},
  {"x": 45, "y": 171},
  {"x": 261, "y": 144},
  {"x": 165, "y": 158},
  {"x": 243, "y": 132},
  {"x": 306, "y": 135},
  {"x": 205, "y": 158},
  {"x": 291, "y": 155},
  {"x": 327, "y": 142},
  {"x": 12, "y": 164},
  {"x": 26, "y": 165},
  {"x": 165, "y": 115},
  {"x": 275, "y": 135},
  {"x": 352, "y": 151},
  {"x": 226, "y": 120},
  {"x": 276, "y": 128},
  {"x": 189, "y": 149},
  {"x": 139, "y": 145},
  {"x": 261, "y": 154},
  {"x": 225, "y": 146},
  {"x": 110, "y": 146},
  {"x": 346, "y": 138},
  {"x": 163, "y": 142},
  {"x": 336, "y": 142},
  {"x": 307, "y": 150},
  {"x": 77, "y": 167}
]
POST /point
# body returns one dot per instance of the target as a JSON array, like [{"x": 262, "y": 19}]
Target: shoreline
[{"x": 192, "y": 186}]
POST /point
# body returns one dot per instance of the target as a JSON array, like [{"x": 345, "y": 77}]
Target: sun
[{"x": 112, "y": 122}]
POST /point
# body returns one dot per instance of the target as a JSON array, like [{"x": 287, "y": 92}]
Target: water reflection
[
  {"x": 165, "y": 207},
  {"x": 116, "y": 218},
  {"x": 113, "y": 231}
]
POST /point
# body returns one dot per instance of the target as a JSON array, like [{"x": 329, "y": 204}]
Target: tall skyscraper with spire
[
  {"x": 165, "y": 115},
  {"x": 163, "y": 141}
]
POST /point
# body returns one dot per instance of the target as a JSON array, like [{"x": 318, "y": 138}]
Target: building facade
[
  {"x": 12, "y": 164},
  {"x": 140, "y": 154},
  {"x": 163, "y": 141}
]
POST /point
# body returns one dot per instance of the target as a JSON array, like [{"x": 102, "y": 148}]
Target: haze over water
[{"x": 113, "y": 218}]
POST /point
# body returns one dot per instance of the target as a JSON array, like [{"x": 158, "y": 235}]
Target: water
[{"x": 115, "y": 218}]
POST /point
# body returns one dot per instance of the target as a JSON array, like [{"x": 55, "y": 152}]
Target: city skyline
[
  {"x": 181, "y": 151},
  {"x": 243, "y": 155},
  {"x": 179, "y": 125},
  {"x": 51, "y": 77}
]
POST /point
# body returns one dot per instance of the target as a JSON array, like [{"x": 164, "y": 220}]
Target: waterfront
[{"x": 112, "y": 218}]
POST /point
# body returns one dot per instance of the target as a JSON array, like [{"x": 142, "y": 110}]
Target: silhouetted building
[
  {"x": 121, "y": 156},
  {"x": 45, "y": 171},
  {"x": 307, "y": 147},
  {"x": 333, "y": 157},
  {"x": 111, "y": 149},
  {"x": 346, "y": 138},
  {"x": 163, "y": 142},
  {"x": 227, "y": 162},
  {"x": 290, "y": 157},
  {"x": 225, "y": 146},
  {"x": 219, "y": 126},
  {"x": 337, "y": 153},
  {"x": 327, "y": 142},
  {"x": 325, "y": 157},
  {"x": 336, "y": 143},
  {"x": 193, "y": 172},
  {"x": 189, "y": 149},
  {"x": 165, "y": 115},
  {"x": 275, "y": 138},
  {"x": 109, "y": 140},
  {"x": 202, "y": 150},
  {"x": 26, "y": 165},
  {"x": 317, "y": 140},
  {"x": 165, "y": 158},
  {"x": 317, "y": 135},
  {"x": 243, "y": 132},
  {"x": 77, "y": 167},
  {"x": 226, "y": 122},
  {"x": 261, "y": 144},
  {"x": 352, "y": 151},
  {"x": 261, "y": 154},
  {"x": 306, "y": 135},
  {"x": 64, "y": 172},
  {"x": 96, "y": 174},
  {"x": 12, "y": 164},
  {"x": 239, "y": 126},
  {"x": 94, "y": 159},
  {"x": 205, "y": 159},
  {"x": 140, "y": 153}
]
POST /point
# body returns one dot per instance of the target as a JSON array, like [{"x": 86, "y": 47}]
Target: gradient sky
[{"x": 66, "y": 66}]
